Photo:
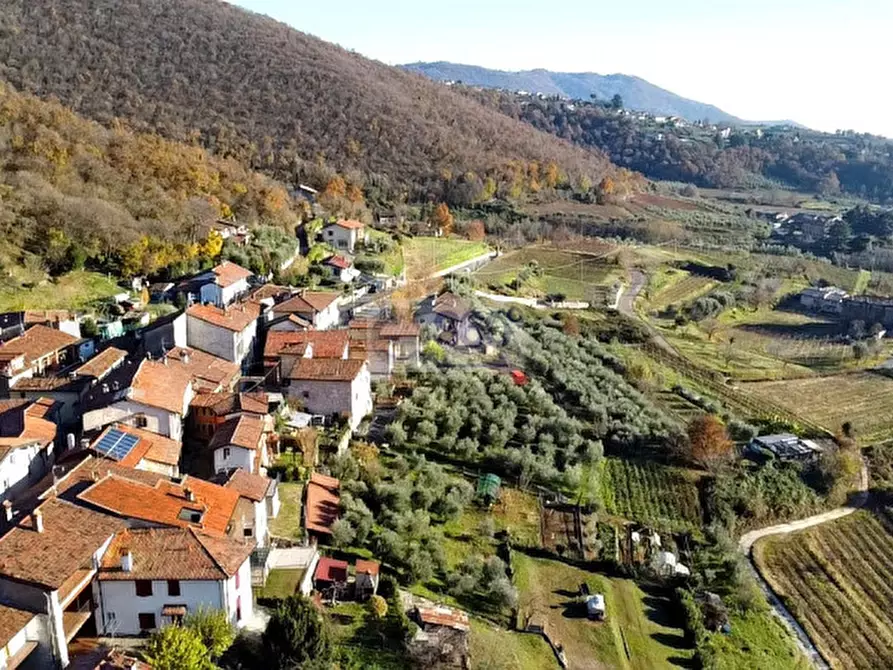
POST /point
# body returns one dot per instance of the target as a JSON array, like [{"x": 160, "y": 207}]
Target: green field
[
  {"x": 495, "y": 648},
  {"x": 658, "y": 495},
  {"x": 638, "y": 621},
  {"x": 516, "y": 511},
  {"x": 427, "y": 255},
  {"x": 862, "y": 398},
  {"x": 288, "y": 523},
  {"x": 75, "y": 290},
  {"x": 576, "y": 276},
  {"x": 676, "y": 287},
  {"x": 281, "y": 583},
  {"x": 359, "y": 644}
]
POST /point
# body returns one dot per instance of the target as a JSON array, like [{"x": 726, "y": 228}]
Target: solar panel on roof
[{"x": 116, "y": 444}]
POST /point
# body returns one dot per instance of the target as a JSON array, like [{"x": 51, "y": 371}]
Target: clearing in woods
[
  {"x": 863, "y": 398},
  {"x": 836, "y": 580}
]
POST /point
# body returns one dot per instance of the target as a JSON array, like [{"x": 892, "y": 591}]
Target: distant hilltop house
[
  {"x": 784, "y": 446},
  {"x": 827, "y": 299},
  {"x": 345, "y": 235}
]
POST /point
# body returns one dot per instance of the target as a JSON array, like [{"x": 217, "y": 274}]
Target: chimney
[
  {"x": 188, "y": 494},
  {"x": 7, "y": 508},
  {"x": 37, "y": 520},
  {"x": 164, "y": 359},
  {"x": 127, "y": 561},
  {"x": 185, "y": 357}
]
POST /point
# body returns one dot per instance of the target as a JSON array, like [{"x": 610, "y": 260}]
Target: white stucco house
[
  {"x": 152, "y": 577},
  {"x": 241, "y": 442},
  {"x": 228, "y": 333},
  {"x": 157, "y": 400},
  {"x": 258, "y": 503},
  {"x": 345, "y": 235},
  {"x": 331, "y": 387},
  {"x": 224, "y": 284},
  {"x": 27, "y": 443},
  {"x": 319, "y": 308}
]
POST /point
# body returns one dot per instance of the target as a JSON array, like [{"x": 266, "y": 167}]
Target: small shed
[
  {"x": 488, "y": 487},
  {"x": 367, "y": 576},
  {"x": 519, "y": 378},
  {"x": 595, "y": 607}
]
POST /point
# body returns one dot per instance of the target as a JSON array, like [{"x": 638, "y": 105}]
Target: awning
[{"x": 173, "y": 610}]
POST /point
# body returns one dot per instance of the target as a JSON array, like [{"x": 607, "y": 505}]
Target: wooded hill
[
  {"x": 273, "y": 97},
  {"x": 856, "y": 164},
  {"x": 75, "y": 194}
]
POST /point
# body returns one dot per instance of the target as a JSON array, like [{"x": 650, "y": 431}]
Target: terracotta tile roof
[
  {"x": 401, "y": 329},
  {"x": 326, "y": 369},
  {"x": 244, "y": 431},
  {"x": 173, "y": 553},
  {"x": 331, "y": 570},
  {"x": 151, "y": 446},
  {"x": 208, "y": 371},
  {"x": 362, "y": 347},
  {"x": 102, "y": 363},
  {"x": 339, "y": 262},
  {"x": 326, "y": 343},
  {"x": 23, "y": 422},
  {"x": 235, "y": 318},
  {"x": 90, "y": 470},
  {"x": 364, "y": 324},
  {"x": 306, "y": 302},
  {"x": 272, "y": 291},
  {"x": 12, "y": 621},
  {"x": 350, "y": 224},
  {"x": 166, "y": 502},
  {"x": 365, "y": 567},
  {"x": 36, "y": 342},
  {"x": 70, "y": 537},
  {"x": 50, "y": 384},
  {"x": 443, "y": 616},
  {"x": 452, "y": 306},
  {"x": 248, "y": 485},
  {"x": 164, "y": 386},
  {"x": 44, "y": 316},
  {"x": 228, "y": 403},
  {"x": 322, "y": 505},
  {"x": 228, "y": 273}
]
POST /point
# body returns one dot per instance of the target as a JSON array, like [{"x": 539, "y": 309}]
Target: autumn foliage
[{"x": 709, "y": 442}]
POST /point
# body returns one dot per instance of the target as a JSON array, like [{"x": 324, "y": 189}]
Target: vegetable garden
[
  {"x": 654, "y": 494},
  {"x": 836, "y": 580}
]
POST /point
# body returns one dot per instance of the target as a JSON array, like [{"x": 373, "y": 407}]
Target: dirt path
[
  {"x": 626, "y": 305},
  {"x": 745, "y": 544}
]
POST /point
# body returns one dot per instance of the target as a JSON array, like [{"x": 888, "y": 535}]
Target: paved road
[
  {"x": 745, "y": 544},
  {"x": 627, "y": 306}
]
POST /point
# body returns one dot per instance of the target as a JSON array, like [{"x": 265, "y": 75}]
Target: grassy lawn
[
  {"x": 643, "y": 621},
  {"x": 757, "y": 640},
  {"x": 281, "y": 583},
  {"x": 425, "y": 255},
  {"x": 577, "y": 276},
  {"x": 493, "y": 648},
  {"x": 288, "y": 523},
  {"x": 515, "y": 510},
  {"x": 358, "y": 643},
  {"x": 75, "y": 290}
]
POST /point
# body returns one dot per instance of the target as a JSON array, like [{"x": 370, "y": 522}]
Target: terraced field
[
  {"x": 681, "y": 291},
  {"x": 865, "y": 399},
  {"x": 650, "y": 493},
  {"x": 836, "y": 579}
]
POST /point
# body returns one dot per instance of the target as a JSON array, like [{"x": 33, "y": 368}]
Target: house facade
[
  {"x": 224, "y": 284},
  {"x": 241, "y": 442},
  {"x": 318, "y": 308},
  {"x": 345, "y": 235},
  {"x": 38, "y": 351},
  {"x": 258, "y": 503},
  {"x": 27, "y": 443},
  {"x": 228, "y": 333},
  {"x": 331, "y": 387}
]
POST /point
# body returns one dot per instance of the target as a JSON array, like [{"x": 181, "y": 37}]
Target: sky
[{"x": 822, "y": 63}]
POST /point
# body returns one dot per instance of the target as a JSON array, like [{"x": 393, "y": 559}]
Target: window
[
  {"x": 237, "y": 584},
  {"x": 173, "y": 587},
  {"x": 238, "y": 606},
  {"x": 141, "y": 421},
  {"x": 248, "y": 532},
  {"x": 147, "y": 620},
  {"x": 144, "y": 588},
  {"x": 306, "y": 394},
  {"x": 226, "y": 453},
  {"x": 110, "y": 617}
]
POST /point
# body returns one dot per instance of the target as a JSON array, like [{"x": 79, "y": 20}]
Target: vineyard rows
[
  {"x": 836, "y": 579},
  {"x": 650, "y": 493},
  {"x": 682, "y": 291}
]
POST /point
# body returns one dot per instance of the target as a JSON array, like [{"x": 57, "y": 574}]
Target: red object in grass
[{"x": 519, "y": 377}]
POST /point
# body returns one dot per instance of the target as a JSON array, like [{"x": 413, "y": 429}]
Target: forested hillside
[
  {"x": 75, "y": 194},
  {"x": 855, "y": 164},
  {"x": 273, "y": 97}
]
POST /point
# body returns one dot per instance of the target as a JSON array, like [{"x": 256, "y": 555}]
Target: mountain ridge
[{"x": 637, "y": 93}]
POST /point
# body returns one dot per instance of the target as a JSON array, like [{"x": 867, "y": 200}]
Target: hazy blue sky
[{"x": 824, "y": 63}]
